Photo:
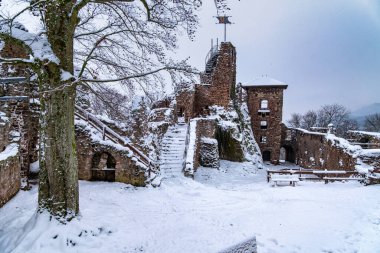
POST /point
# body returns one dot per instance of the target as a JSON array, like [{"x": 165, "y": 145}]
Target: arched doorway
[
  {"x": 266, "y": 155},
  {"x": 287, "y": 154},
  {"x": 103, "y": 167}
]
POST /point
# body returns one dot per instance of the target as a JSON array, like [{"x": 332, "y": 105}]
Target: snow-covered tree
[
  {"x": 84, "y": 44},
  {"x": 336, "y": 114},
  {"x": 295, "y": 120},
  {"x": 309, "y": 119},
  {"x": 372, "y": 123}
]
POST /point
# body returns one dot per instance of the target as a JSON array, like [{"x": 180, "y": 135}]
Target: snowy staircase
[{"x": 172, "y": 152}]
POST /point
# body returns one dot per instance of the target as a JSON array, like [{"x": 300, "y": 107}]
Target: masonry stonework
[
  {"x": 106, "y": 163},
  {"x": 266, "y": 122},
  {"x": 217, "y": 85},
  {"x": 315, "y": 151},
  {"x": 185, "y": 104},
  {"x": 10, "y": 180}
]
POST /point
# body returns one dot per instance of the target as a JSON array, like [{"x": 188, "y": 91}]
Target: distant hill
[{"x": 364, "y": 111}]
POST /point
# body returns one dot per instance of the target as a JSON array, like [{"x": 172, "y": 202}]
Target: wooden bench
[
  {"x": 327, "y": 179},
  {"x": 292, "y": 179}
]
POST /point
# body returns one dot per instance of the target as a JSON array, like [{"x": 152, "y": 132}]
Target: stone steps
[{"x": 172, "y": 152}]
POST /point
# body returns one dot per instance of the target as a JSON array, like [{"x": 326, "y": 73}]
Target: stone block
[{"x": 209, "y": 153}]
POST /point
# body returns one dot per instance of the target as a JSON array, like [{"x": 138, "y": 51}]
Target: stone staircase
[{"x": 173, "y": 150}]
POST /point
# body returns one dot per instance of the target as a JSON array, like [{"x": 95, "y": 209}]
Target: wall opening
[
  {"x": 266, "y": 156},
  {"x": 181, "y": 111},
  {"x": 287, "y": 154},
  {"x": 103, "y": 167}
]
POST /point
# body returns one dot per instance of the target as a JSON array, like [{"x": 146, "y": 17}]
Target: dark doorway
[
  {"x": 266, "y": 155},
  {"x": 103, "y": 167},
  {"x": 290, "y": 155},
  {"x": 181, "y": 112}
]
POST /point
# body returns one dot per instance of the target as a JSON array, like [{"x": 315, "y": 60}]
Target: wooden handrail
[{"x": 112, "y": 135}]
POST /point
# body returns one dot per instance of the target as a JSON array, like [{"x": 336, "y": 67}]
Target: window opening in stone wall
[
  {"x": 264, "y": 104},
  {"x": 263, "y": 139},
  {"x": 263, "y": 124}
]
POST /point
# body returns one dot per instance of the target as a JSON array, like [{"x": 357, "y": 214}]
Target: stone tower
[
  {"x": 265, "y": 102},
  {"x": 218, "y": 81}
]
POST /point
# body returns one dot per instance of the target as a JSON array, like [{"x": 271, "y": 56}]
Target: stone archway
[{"x": 103, "y": 167}]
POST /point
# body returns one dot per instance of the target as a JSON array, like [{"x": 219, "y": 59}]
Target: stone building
[
  {"x": 265, "y": 102},
  {"x": 217, "y": 86}
]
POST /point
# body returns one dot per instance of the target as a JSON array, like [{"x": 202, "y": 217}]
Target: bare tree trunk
[{"x": 58, "y": 192}]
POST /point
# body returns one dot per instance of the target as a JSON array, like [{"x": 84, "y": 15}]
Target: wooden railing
[{"x": 113, "y": 136}]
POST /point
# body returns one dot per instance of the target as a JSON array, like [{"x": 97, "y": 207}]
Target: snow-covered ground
[{"x": 216, "y": 210}]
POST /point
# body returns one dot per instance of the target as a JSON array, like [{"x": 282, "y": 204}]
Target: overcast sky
[{"x": 328, "y": 51}]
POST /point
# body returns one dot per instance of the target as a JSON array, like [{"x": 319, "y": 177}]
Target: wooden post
[{"x": 104, "y": 133}]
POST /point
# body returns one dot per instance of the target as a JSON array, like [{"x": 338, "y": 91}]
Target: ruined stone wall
[
  {"x": 315, "y": 151},
  {"x": 209, "y": 152},
  {"x": 24, "y": 121},
  {"x": 273, "y": 118},
  {"x": 10, "y": 167},
  {"x": 126, "y": 168},
  {"x": 218, "y": 86},
  {"x": 10, "y": 180},
  {"x": 372, "y": 159},
  {"x": 185, "y": 104},
  {"x": 205, "y": 128},
  {"x": 12, "y": 50}
]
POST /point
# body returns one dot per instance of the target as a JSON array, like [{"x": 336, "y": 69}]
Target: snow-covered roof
[{"x": 264, "y": 81}]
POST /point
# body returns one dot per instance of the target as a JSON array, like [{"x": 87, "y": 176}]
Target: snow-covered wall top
[
  {"x": 373, "y": 134},
  {"x": 39, "y": 45}
]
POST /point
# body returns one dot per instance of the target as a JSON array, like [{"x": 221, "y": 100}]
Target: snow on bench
[
  {"x": 329, "y": 172},
  {"x": 292, "y": 179},
  {"x": 327, "y": 179}
]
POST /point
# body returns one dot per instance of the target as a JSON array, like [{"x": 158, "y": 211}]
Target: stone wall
[
  {"x": 12, "y": 50},
  {"x": 185, "y": 104},
  {"x": 205, "y": 128},
  {"x": 10, "y": 180},
  {"x": 25, "y": 121},
  {"x": 273, "y": 117},
  {"x": 218, "y": 86},
  {"x": 315, "y": 151},
  {"x": 209, "y": 152},
  {"x": 198, "y": 128},
  {"x": 96, "y": 161}
]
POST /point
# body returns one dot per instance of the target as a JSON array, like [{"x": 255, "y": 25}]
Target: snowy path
[
  {"x": 173, "y": 150},
  {"x": 212, "y": 212}
]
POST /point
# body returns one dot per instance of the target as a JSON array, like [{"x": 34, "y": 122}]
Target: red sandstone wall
[
  {"x": 274, "y": 118},
  {"x": 185, "y": 103},
  {"x": 314, "y": 151},
  {"x": 217, "y": 87},
  {"x": 9, "y": 178},
  {"x": 126, "y": 170}
]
